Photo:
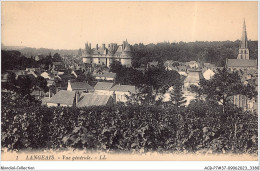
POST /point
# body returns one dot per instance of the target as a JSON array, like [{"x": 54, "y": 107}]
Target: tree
[
  {"x": 129, "y": 76},
  {"x": 144, "y": 96},
  {"x": 57, "y": 57},
  {"x": 177, "y": 95},
  {"x": 116, "y": 67},
  {"x": 160, "y": 79},
  {"x": 89, "y": 78},
  {"x": 41, "y": 83},
  {"x": 10, "y": 85},
  {"x": 24, "y": 84},
  {"x": 223, "y": 86}
]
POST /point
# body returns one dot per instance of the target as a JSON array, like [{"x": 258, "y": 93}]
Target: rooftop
[
  {"x": 241, "y": 63},
  {"x": 89, "y": 99},
  {"x": 63, "y": 97},
  {"x": 103, "y": 86},
  {"x": 123, "y": 88},
  {"x": 81, "y": 86},
  {"x": 105, "y": 74}
]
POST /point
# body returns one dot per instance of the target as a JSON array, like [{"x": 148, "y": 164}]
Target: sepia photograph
[{"x": 129, "y": 81}]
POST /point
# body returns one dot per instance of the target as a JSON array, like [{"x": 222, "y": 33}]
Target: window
[{"x": 99, "y": 60}]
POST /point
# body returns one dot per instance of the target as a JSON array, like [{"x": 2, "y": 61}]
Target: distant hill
[{"x": 31, "y": 52}]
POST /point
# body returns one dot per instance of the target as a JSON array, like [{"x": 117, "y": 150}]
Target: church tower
[{"x": 243, "y": 50}]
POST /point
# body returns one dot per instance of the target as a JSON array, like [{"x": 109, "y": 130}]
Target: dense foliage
[
  {"x": 15, "y": 60},
  {"x": 212, "y": 52},
  {"x": 222, "y": 86},
  {"x": 156, "y": 77},
  {"x": 200, "y": 126}
]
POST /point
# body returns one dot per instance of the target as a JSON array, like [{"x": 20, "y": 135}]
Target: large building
[
  {"x": 243, "y": 62},
  {"x": 106, "y": 55},
  {"x": 248, "y": 70}
]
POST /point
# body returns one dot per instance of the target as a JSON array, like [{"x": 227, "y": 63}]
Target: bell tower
[{"x": 243, "y": 49}]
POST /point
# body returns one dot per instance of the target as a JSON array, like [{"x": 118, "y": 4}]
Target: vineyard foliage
[{"x": 200, "y": 126}]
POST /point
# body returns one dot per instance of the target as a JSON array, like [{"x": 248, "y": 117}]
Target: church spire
[
  {"x": 243, "y": 52},
  {"x": 244, "y": 37}
]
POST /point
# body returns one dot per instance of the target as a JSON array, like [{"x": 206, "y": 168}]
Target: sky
[{"x": 69, "y": 25}]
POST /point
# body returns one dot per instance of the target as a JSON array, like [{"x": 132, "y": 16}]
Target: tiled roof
[
  {"x": 89, "y": 99},
  {"x": 81, "y": 86},
  {"x": 106, "y": 74},
  {"x": 241, "y": 63},
  {"x": 103, "y": 86},
  {"x": 123, "y": 88},
  {"x": 63, "y": 97}
]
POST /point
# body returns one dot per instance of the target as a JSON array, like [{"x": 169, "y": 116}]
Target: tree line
[
  {"x": 211, "y": 52},
  {"x": 15, "y": 60}
]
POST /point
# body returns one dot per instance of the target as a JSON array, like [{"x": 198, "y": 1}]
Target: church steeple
[
  {"x": 243, "y": 50},
  {"x": 244, "y": 37}
]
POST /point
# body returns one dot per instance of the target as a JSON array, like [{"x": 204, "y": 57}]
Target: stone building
[
  {"x": 106, "y": 55},
  {"x": 245, "y": 66},
  {"x": 243, "y": 62}
]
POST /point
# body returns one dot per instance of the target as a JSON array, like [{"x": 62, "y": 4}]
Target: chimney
[
  {"x": 77, "y": 97},
  {"x": 89, "y": 45},
  {"x": 114, "y": 97},
  {"x": 97, "y": 46},
  {"x": 69, "y": 88},
  {"x": 103, "y": 46},
  {"x": 49, "y": 93}
]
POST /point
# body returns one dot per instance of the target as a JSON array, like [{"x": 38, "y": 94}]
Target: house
[
  {"x": 47, "y": 75},
  {"x": 121, "y": 91},
  {"x": 108, "y": 76},
  {"x": 193, "y": 64},
  {"x": 79, "y": 87},
  {"x": 152, "y": 64},
  {"x": 208, "y": 74},
  {"x": 103, "y": 88},
  {"x": 33, "y": 70},
  {"x": 62, "y": 98},
  {"x": 90, "y": 99}
]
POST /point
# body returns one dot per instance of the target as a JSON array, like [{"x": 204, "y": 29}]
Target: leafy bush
[{"x": 200, "y": 126}]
